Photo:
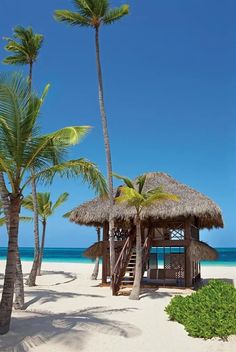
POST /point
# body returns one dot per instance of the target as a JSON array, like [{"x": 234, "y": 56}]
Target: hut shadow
[
  {"x": 46, "y": 296},
  {"x": 74, "y": 329}
]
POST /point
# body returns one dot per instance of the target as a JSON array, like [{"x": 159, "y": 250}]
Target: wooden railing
[
  {"x": 146, "y": 251},
  {"x": 122, "y": 262}
]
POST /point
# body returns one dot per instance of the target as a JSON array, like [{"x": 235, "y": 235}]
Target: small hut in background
[{"x": 172, "y": 249}]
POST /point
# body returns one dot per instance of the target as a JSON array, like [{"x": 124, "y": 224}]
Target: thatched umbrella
[
  {"x": 199, "y": 250},
  {"x": 94, "y": 251},
  {"x": 191, "y": 203}
]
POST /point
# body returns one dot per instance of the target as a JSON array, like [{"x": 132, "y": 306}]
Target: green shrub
[{"x": 207, "y": 313}]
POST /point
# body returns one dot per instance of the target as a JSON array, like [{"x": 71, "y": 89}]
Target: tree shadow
[
  {"x": 69, "y": 277},
  {"x": 29, "y": 330},
  {"x": 156, "y": 294},
  {"x": 46, "y": 296}
]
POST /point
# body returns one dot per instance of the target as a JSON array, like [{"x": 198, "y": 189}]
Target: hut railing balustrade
[{"x": 122, "y": 262}]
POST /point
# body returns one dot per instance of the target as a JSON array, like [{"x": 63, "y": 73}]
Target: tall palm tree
[
  {"x": 135, "y": 196},
  {"x": 45, "y": 209},
  {"x": 25, "y": 47},
  {"x": 94, "y": 14},
  {"x": 23, "y": 149}
]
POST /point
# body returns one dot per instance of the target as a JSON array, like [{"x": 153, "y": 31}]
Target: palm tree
[
  {"x": 45, "y": 209},
  {"x": 94, "y": 14},
  {"x": 135, "y": 196},
  {"x": 25, "y": 47},
  {"x": 96, "y": 266},
  {"x": 22, "y": 149}
]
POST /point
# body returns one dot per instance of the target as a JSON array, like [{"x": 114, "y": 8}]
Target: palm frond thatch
[
  {"x": 199, "y": 250},
  {"x": 191, "y": 203},
  {"x": 94, "y": 251}
]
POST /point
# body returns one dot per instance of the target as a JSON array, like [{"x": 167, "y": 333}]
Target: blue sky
[{"x": 170, "y": 86}]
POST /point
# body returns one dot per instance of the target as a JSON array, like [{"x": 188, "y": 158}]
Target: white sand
[{"x": 68, "y": 312}]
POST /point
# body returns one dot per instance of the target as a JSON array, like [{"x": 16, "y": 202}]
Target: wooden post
[
  {"x": 188, "y": 260},
  {"x": 105, "y": 257}
]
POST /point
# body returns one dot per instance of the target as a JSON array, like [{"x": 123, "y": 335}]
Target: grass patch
[{"x": 209, "y": 312}]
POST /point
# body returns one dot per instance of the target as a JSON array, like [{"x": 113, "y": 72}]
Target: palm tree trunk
[
  {"x": 138, "y": 267},
  {"x": 31, "y": 281},
  {"x": 42, "y": 247},
  {"x": 10, "y": 271},
  {"x": 30, "y": 76},
  {"x": 107, "y": 151},
  {"x": 19, "y": 285},
  {"x": 94, "y": 275}
]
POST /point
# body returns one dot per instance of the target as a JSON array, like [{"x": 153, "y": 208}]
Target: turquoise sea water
[{"x": 227, "y": 256}]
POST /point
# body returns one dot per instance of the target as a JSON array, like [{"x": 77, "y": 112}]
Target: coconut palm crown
[
  {"x": 91, "y": 13},
  {"x": 24, "y": 46}
]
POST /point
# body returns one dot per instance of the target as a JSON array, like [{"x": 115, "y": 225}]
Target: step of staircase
[{"x": 128, "y": 279}]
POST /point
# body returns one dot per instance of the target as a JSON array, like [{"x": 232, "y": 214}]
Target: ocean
[{"x": 227, "y": 256}]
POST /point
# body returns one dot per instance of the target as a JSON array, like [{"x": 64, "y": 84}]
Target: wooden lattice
[
  {"x": 120, "y": 234},
  {"x": 174, "y": 265}
]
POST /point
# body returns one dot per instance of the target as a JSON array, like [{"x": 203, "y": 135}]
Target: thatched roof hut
[{"x": 191, "y": 203}]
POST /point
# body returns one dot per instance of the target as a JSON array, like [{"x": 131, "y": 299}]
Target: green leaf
[{"x": 126, "y": 180}]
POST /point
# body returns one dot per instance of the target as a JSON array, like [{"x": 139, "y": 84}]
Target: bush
[{"x": 207, "y": 313}]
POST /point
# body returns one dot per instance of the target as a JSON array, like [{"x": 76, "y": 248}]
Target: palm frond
[
  {"x": 61, "y": 199},
  {"x": 130, "y": 196},
  {"x": 141, "y": 181},
  {"x": 85, "y": 169},
  {"x": 67, "y": 215},
  {"x": 159, "y": 197},
  {"x": 72, "y": 18},
  {"x": 126, "y": 180},
  {"x": 115, "y": 14}
]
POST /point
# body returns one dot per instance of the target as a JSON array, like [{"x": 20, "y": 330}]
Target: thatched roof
[
  {"x": 94, "y": 251},
  {"x": 199, "y": 250},
  {"x": 191, "y": 203}
]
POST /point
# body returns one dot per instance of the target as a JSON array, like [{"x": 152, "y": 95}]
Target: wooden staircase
[
  {"x": 128, "y": 278},
  {"x": 124, "y": 270}
]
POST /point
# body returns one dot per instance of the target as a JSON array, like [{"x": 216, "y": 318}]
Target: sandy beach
[{"x": 68, "y": 312}]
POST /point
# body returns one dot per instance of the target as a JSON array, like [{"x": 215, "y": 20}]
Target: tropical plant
[
  {"x": 94, "y": 14},
  {"x": 134, "y": 194},
  {"x": 209, "y": 312},
  {"x": 45, "y": 209},
  {"x": 25, "y": 47},
  {"x": 22, "y": 149}
]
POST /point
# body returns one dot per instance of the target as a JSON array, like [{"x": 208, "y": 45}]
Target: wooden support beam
[
  {"x": 188, "y": 259},
  {"x": 105, "y": 256},
  {"x": 170, "y": 243}
]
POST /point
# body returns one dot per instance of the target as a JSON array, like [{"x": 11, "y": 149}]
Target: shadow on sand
[
  {"x": 46, "y": 296},
  {"x": 73, "y": 330}
]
